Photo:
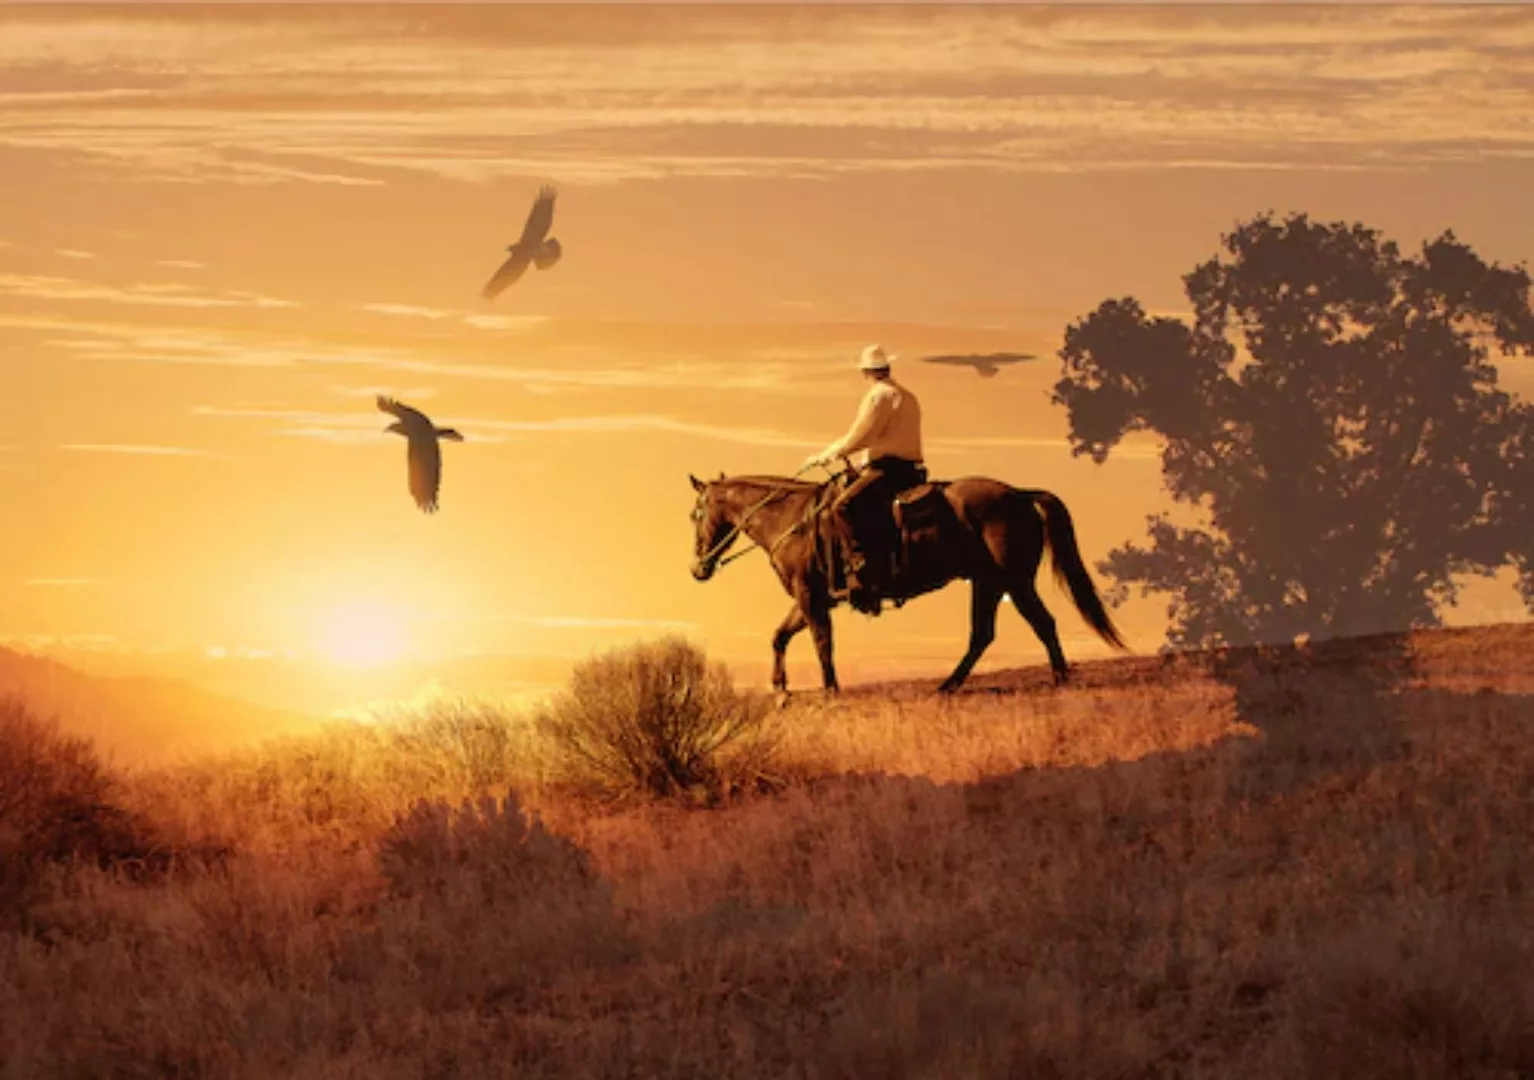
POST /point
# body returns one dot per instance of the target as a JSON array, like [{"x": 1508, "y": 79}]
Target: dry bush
[
  {"x": 493, "y": 841},
  {"x": 483, "y": 894},
  {"x": 58, "y": 803},
  {"x": 656, "y": 718},
  {"x": 344, "y": 783},
  {"x": 464, "y": 744}
]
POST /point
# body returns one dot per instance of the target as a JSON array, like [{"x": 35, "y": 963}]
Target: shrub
[
  {"x": 654, "y": 718},
  {"x": 437, "y": 844},
  {"x": 470, "y": 745},
  {"x": 484, "y": 902},
  {"x": 57, "y": 803}
]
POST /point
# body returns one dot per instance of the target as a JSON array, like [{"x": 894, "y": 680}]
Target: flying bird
[
  {"x": 423, "y": 454},
  {"x": 536, "y": 246},
  {"x": 987, "y": 364}
]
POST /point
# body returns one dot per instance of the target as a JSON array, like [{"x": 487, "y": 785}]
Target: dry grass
[{"x": 1145, "y": 876}]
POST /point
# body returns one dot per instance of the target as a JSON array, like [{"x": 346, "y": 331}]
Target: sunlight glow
[{"x": 363, "y": 634}]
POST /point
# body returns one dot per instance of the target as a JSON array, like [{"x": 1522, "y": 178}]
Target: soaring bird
[
  {"x": 424, "y": 455},
  {"x": 536, "y": 246},
  {"x": 987, "y": 364}
]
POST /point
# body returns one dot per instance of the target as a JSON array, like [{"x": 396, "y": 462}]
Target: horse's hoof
[{"x": 781, "y": 698}]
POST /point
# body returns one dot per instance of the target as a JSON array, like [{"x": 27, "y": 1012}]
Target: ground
[{"x": 1268, "y": 863}]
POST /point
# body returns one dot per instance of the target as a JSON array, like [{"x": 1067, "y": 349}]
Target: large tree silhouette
[{"x": 1332, "y": 415}]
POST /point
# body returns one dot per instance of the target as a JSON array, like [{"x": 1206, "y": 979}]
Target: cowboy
[{"x": 888, "y": 433}]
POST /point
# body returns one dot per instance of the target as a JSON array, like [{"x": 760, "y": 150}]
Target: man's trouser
[{"x": 866, "y": 515}]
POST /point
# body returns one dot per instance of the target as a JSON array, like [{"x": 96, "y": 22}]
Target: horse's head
[{"x": 711, "y": 528}]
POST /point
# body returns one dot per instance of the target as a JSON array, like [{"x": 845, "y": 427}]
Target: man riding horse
[
  {"x": 974, "y": 528},
  {"x": 887, "y": 432}
]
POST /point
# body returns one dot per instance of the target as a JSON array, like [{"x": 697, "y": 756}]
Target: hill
[
  {"x": 1266, "y": 863},
  {"x": 138, "y": 719}
]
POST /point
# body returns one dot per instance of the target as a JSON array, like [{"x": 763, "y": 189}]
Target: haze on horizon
[{"x": 227, "y": 228}]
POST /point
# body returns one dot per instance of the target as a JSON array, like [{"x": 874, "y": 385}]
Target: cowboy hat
[{"x": 874, "y": 359}]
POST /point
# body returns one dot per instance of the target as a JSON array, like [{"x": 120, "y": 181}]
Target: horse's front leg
[{"x": 792, "y": 623}]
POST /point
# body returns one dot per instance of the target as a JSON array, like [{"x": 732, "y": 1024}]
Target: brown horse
[{"x": 984, "y": 531}]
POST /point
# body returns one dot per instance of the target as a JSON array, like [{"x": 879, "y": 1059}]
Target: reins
[{"x": 739, "y": 526}]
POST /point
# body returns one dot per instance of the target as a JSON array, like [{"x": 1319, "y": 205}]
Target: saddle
[{"x": 918, "y": 514}]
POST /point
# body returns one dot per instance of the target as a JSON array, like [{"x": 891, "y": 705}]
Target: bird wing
[
  {"x": 414, "y": 420},
  {"x": 506, "y": 276},
  {"x": 539, "y": 219},
  {"x": 425, "y": 459}
]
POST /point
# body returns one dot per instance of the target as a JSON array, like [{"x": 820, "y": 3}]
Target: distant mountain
[{"x": 138, "y": 719}]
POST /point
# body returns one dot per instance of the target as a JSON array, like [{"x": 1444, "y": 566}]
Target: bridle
[{"x": 714, "y": 552}]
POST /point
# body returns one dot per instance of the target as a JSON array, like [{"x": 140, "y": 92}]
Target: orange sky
[{"x": 224, "y": 229}]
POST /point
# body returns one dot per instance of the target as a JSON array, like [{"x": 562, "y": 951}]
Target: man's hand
[{"x": 812, "y": 461}]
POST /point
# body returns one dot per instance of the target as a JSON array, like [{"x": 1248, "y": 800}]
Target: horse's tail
[{"x": 1070, "y": 572}]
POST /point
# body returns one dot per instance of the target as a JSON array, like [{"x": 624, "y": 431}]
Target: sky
[{"x": 224, "y": 229}]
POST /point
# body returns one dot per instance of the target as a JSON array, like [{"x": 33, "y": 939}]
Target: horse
[{"x": 977, "y": 529}]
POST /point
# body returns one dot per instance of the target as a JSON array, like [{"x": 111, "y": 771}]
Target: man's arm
[{"x": 871, "y": 415}]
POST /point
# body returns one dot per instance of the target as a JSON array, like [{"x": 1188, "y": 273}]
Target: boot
[{"x": 861, "y": 592}]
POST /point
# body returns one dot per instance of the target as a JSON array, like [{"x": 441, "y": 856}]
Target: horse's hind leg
[
  {"x": 792, "y": 623},
  {"x": 820, "y": 629},
  {"x": 984, "y": 598},
  {"x": 1026, "y": 599}
]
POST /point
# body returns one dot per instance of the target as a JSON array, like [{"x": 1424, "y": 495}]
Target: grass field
[{"x": 1274, "y": 864}]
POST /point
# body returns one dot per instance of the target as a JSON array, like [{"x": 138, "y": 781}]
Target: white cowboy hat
[{"x": 874, "y": 359}]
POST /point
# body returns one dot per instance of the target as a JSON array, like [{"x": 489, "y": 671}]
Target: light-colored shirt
[{"x": 888, "y": 424}]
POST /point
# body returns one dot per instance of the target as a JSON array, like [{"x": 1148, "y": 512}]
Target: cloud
[
  {"x": 169, "y": 294},
  {"x": 468, "y": 318},
  {"x": 60, "y": 583},
  {"x": 83, "y": 642},
  {"x": 409, "y": 311},
  {"x": 181, "y": 264},
  {"x": 573, "y": 622},
  {"x": 1133, "y": 451},
  {"x": 182, "y": 345},
  {"x": 354, "y": 97},
  {"x": 71, "y": 253},
  {"x": 364, "y": 427},
  {"x": 371, "y": 392},
  {"x": 131, "y": 448}
]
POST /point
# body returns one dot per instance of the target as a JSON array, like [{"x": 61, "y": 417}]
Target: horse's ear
[
  {"x": 697, "y": 485},
  {"x": 721, "y": 474}
]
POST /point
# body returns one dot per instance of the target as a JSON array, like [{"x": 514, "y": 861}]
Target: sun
[{"x": 363, "y": 634}]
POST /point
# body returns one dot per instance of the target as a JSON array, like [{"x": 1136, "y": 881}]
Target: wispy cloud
[
  {"x": 364, "y": 427},
  {"x": 163, "y": 294},
  {"x": 571, "y": 622},
  {"x": 468, "y": 318},
  {"x": 60, "y": 583},
  {"x": 132, "y": 449},
  {"x": 414, "y": 311},
  {"x": 369, "y": 393},
  {"x": 181, "y": 264},
  {"x": 182, "y": 345},
  {"x": 735, "y": 91},
  {"x": 72, "y": 253},
  {"x": 1131, "y": 451},
  {"x": 84, "y": 642}
]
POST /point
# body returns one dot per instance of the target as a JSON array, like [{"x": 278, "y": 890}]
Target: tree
[{"x": 1332, "y": 413}]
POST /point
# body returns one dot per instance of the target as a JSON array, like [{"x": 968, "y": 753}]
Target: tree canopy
[{"x": 1332, "y": 413}]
